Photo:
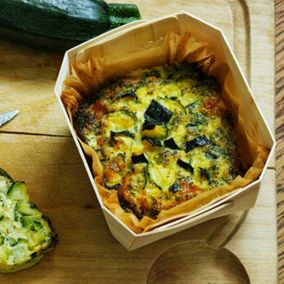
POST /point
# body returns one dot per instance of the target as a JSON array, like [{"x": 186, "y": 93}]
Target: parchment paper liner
[{"x": 91, "y": 69}]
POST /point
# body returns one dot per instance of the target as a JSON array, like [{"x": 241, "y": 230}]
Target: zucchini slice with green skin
[
  {"x": 158, "y": 132},
  {"x": 148, "y": 124},
  {"x": 25, "y": 234},
  {"x": 26, "y": 208},
  {"x": 187, "y": 166},
  {"x": 204, "y": 173},
  {"x": 196, "y": 142},
  {"x": 121, "y": 121},
  {"x": 18, "y": 191},
  {"x": 174, "y": 105},
  {"x": 170, "y": 143},
  {"x": 122, "y": 133},
  {"x": 66, "y": 22},
  {"x": 152, "y": 141},
  {"x": 158, "y": 113},
  {"x": 136, "y": 159}
]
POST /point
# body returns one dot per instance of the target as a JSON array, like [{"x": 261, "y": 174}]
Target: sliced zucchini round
[
  {"x": 174, "y": 105},
  {"x": 196, "y": 142},
  {"x": 161, "y": 175},
  {"x": 18, "y": 191},
  {"x": 120, "y": 121}
]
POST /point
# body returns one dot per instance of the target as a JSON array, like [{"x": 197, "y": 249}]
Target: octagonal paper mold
[{"x": 241, "y": 199}]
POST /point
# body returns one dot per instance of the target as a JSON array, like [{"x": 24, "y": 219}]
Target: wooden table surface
[
  {"x": 37, "y": 147},
  {"x": 279, "y": 55}
]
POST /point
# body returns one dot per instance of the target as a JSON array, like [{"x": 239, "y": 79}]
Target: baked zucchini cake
[
  {"x": 163, "y": 136},
  {"x": 25, "y": 234}
]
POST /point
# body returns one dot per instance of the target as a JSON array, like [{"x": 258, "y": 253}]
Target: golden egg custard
[{"x": 163, "y": 136}]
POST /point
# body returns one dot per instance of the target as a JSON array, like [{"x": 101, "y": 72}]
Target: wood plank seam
[
  {"x": 279, "y": 81},
  {"x": 246, "y": 24},
  {"x": 32, "y": 134}
]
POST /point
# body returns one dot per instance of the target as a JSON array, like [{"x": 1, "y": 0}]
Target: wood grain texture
[
  {"x": 27, "y": 78},
  {"x": 222, "y": 266},
  {"x": 27, "y": 75},
  {"x": 279, "y": 21},
  {"x": 36, "y": 147},
  {"x": 87, "y": 253}
]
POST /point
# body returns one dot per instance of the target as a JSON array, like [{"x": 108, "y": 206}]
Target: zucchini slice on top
[{"x": 25, "y": 234}]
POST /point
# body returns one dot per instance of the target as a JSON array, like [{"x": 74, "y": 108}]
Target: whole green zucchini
[
  {"x": 25, "y": 234},
  {"x": 61, "y": 23}
]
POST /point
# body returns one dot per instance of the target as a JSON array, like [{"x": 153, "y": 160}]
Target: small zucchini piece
[
  {"x": 18, "y": 191},
  {"x": 174, "y": 187},
  {"x": 138, "y": 178},
  {"x": 174, "y": 105},
  {"x": 204, "y": 173},
  {"x": 5, "y": 181},
  {"x": 26, "y": 208},
  {"x": 112, "y": 186},
  {"x": 185, "y": 165},
  {"x": 191, "y": 107},
  {"x": 211, "y": 156},
  {"x": 125, "y": 205},
  {"x": 158, "y": 132},
  {"x": 11, "y": 241},
  {"x": 1, "y": 240},
  {"x": 170, "y": 143},
  {"x": 160, "y": 171},
  {"x": 136, "y": 159},
  {"x": 197, "y": 119},
  {"x": 120, "y": 121},
  {"x": 158, "y": 113},
  {"x": 196, "y": 142},
  {"x": 184, "y": 185},
  {"x": 129, "y": 94},
  {"x": 32, "y": 222},
  {"x": 148, "y": 124},
  {"x": 126, "y": 133},
  {"x": 152, "y": 141}
]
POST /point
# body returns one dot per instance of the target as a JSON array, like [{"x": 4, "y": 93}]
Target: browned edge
[{"x": 279, "y": 83}]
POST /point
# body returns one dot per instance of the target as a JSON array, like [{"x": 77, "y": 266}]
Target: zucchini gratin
[
  {"x": 25, "y": 234},
  {"x": 163, "y": 136}
]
